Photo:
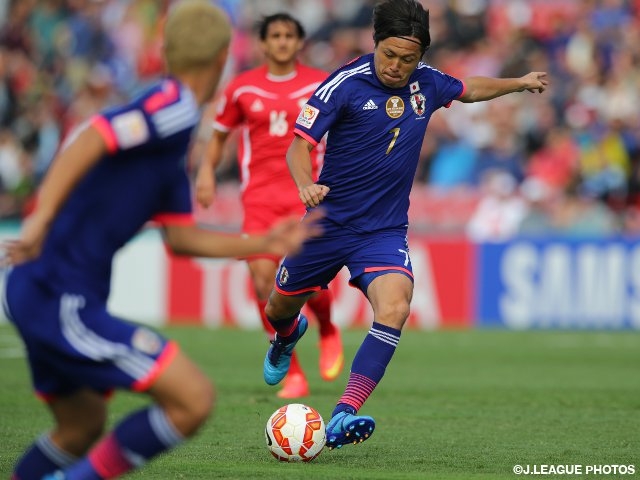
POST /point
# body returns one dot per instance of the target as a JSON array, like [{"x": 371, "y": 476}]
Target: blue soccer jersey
[
  {"x": 375, "y": 134},
  {"x": 143, "y": 177},
  {"x": 58, "y": 301}
]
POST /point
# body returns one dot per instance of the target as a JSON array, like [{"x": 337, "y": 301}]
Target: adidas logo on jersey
[
  {"x": 370, "y": 105},
  {"x": 256, "y": 106}
]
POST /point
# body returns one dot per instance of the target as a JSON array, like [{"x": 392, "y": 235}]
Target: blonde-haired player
[{"x": 122, "y": 169}]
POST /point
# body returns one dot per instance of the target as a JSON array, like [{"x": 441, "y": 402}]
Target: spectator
[
  {"x": 591, "y": 49},
  {"x": 556, "y": 163},
  {"x": 500, "y": 211}
]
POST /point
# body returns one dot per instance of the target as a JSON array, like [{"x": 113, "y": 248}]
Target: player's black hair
[
  {"x": 263, "y": 25},
  {"x": 401, "y": 18}
]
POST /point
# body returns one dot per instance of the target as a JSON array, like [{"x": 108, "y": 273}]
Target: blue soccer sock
[
  {"x": 138, "y": 438},
  {"x": 368, "y": 367},
  {"x": 41, "y": 458},
  {"x": 286, "y": 326}
]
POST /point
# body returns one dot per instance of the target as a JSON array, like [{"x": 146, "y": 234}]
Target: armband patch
[
  {"x": 130, "y": 129},
  {"x": 307, "y": 116}
]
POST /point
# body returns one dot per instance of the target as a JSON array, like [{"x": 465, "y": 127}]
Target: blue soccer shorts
[
  {"x": 366, "y": 255},
  {"x": 72, "y": 341}
]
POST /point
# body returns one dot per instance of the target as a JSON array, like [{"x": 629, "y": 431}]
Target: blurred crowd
[{"x": 565, "y": 162}]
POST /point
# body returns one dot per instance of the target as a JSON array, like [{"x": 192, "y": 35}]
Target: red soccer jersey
[{"x": 265, "y": 107}]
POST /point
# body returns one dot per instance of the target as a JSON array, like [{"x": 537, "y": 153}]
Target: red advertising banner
[{"x": 219, "y": 292}]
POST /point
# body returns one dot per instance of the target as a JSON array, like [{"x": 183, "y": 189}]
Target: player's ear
[
  {"x": 214, "y": 72},
  {"x": 222, "y": 57},
  {"x": 263, "y": 47}
]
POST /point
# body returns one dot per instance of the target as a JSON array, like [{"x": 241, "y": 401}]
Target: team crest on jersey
[
  {"x": 146, "y": 341},
  {"x": 283, "y": 278},
  {"x": 395, "y": 107},
  {"x": 307, "y": 116},
  {"x": 418, "y": 103}
]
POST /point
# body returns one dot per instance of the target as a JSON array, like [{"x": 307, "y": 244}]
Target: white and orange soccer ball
[{"x": 295, "y": 433}]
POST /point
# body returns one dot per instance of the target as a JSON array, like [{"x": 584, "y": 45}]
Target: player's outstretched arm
[
  {"x": 205, "y": 184},
  {"x": 300, "y": 167},
  {"x": 284, "y": 237},
  {"x": 478, "y": 89},
  {"x": 70, "y": 165}
]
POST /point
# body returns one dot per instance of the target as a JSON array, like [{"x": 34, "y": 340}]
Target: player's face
[
  {"x": 395, "y": 60},
  {"x": 282, "y": 43}
]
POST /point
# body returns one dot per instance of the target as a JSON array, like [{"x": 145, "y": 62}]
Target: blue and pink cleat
[
  {"x": 345, "y": 428},
  {"x": 278, "y": 359}
]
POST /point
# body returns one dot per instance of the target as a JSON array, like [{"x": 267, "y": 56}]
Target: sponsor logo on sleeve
[
  {"x": 307, "y": 116},
  {"x": 130, "y": 129}
]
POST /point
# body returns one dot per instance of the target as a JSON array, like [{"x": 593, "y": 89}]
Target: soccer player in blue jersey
[
  {"x": 125, "y": 167},
  {"x": 375, "y": 111}
]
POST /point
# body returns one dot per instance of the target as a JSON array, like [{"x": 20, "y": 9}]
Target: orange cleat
[
  {"x": 295, "y": 386},
  {"x": 331, "y": 356}
]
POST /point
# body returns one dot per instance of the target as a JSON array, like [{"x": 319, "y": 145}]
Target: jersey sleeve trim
[
  {"x": 101, "y": 124},
  {"x": 306, "y": 136},
  {"x": 165, "y": 359},
  {"x": 179, "y": 219},
  {"x": 221, "y": 127},
  {"x": 464, "y": 89}
]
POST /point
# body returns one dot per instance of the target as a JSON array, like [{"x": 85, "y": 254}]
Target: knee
[
  {"x": 206, "y": 404},
  {"x": 200, "y": 406},
  {"x": 394, "y": 314},
  {"x": 282, "y": 306},
  {"x": 274, "y": 311},
  {"x": 193, "y": 407},
  {"x": 262, "y": 288}
]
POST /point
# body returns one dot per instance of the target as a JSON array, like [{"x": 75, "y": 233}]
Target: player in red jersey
[{"x": 264, "y": 103}]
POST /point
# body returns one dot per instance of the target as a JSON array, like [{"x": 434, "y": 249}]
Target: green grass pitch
[{"x": 453, "y": 405}]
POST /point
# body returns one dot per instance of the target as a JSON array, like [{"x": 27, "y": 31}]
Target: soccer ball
[{"x": 295, "y": 433}]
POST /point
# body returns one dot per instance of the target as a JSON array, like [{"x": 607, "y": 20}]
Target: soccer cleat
[
  {"x": 331, "y": 356},
  {"x": 278, "y": 359},
  {"x": 57, "y": 475},
  {"x": 346, "y": 428},
  {"x": 295, "y": 386}
]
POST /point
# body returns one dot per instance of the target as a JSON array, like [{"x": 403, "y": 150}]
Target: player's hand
[
  {"x": 288, "y": 235},
  {"x": 535, "y": 82},
  {"x": 28, "y": 246},
  {"x": 205, "y": 186},
  {"x": 313, "y": 194}
]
